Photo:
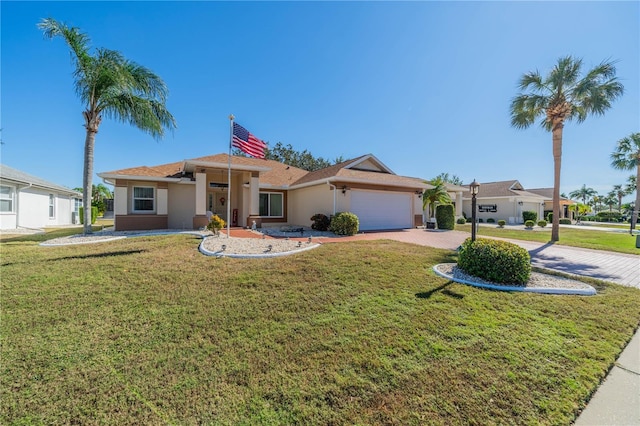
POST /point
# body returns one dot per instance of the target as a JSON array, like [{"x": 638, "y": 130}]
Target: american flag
[{"x": 246, "y": 142}]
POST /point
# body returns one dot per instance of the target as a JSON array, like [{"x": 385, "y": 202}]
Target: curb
[{"x": 543, "y": 290}]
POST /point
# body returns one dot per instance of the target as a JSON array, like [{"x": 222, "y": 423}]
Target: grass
[
  {"x": 618, "y": 242},
  {"x": 148, "y": 331}
]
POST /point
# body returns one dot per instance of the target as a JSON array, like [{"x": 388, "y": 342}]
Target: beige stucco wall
[
  {"x": 305, "y": 202},
  {"x": 508, "y": 209},
  {"x": 181, "y": 206}
]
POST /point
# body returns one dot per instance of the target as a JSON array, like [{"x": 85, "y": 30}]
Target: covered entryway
[{"x": 382, "y": 209}]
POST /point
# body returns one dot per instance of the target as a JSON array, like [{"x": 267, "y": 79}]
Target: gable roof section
[
  {"x": 16, "y": 176},
  {"x": 363, "y": 169},
  {"x": 506, "y": 188}
]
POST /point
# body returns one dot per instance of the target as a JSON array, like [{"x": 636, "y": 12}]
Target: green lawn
[
  {"x": 619, "y": 242},
  {"x": 148, "y": 331}
]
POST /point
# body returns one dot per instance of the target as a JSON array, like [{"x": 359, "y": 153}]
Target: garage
[{"x": 382, "y": 209}]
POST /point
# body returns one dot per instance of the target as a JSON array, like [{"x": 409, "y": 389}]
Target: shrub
[
  {"x": 216, "y": 224},
  {"x": 461, "y": 221},
  {"x": 608, "y": 216},
  {"x": 564, "y": 221},
  {"x": 320, "y": 222},
  {"x": 529, "y": 224},
  {"x": 542, "y": 223},
  {"x": 501, "y": 262},
  {"x": 480, "y": 220},
  {"x": 550, "y": 217},
  {"x": 491, "y": 220},
  {"x": 344, "y": 223},
  {"x": 502, "y": 223},
  {"x": 94, "y": 214},
  {"x": 445, "y": 216},
  {"x": 529, "y": 215}
]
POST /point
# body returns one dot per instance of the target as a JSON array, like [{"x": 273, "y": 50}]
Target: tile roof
[
  {"x": 279, "y": 174},
  {"x": 15, "y": 175}
]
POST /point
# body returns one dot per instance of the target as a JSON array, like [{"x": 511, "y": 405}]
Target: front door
[{"x": 217, "y": 203}]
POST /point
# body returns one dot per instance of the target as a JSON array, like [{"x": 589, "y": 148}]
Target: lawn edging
[{"x": 543, "y": 290}]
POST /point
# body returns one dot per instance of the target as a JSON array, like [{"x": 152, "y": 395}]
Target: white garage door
[{"x": 382, "y": 210}]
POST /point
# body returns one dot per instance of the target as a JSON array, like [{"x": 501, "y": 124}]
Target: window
[
  {"x": 271, "y": 204},
  {"x": 52, "y": 206},
  {"x": 77, "y": 203},
  {"x": 143, "y": 199},
  {"x": 7, "y": 195}
]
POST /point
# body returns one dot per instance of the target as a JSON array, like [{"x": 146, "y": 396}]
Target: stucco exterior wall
[
  {"x": 508, "y": 209},
  {"x": 181, "y": 206},
  {"x": 305, "y": 202},
  {"x": 32, "y": 208}
]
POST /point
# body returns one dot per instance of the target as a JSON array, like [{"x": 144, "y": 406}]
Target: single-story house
[
  {"x": 180, "y": 195},
  {"x": 506, "y": 200},
  {"x": 27, "y": 201},
  {"x": 547, "y": 193}
]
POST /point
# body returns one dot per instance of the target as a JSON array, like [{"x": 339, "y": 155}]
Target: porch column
[
  {"x": 200, "y": 219},
  {"x": 254, "y": 202},
  {"x": 459, "y": 204}
]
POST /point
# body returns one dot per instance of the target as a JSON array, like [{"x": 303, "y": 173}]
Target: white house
[
  {"x": 179, "y": 195},
  {"x": 504, "y": 200},
  {"x": 27, "y": 201}
]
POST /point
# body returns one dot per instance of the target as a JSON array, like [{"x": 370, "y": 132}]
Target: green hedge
[
  {"x": 344, "y": 223},
  {"x": 608, "y": 216},
  {"x": 498, "y": 261},
  {"x": 529, "y": 215},
  {"x": 94, "y": 214},
  {"x": 445, "y": 217}
]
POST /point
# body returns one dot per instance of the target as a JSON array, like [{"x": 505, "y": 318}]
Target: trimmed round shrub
[
  {"x": 445, "y": 216},
  {"x": 497, "y": 261},
  {"x": 550, "y": 217},
  {"x": 529, "y": 215},
  {"x": 344, "y": 223},
  {"x": 320, "y": 222},
  {"x": 564, "y": 221},
  {"x": 502, "y": 223},
  {"x": 491, "y": 220},
  {"x": 94, "y": 214},
  {"x": 542, "y": 223},
  {"x": 480, "y": 220},
  {"x": 461, "y": 221},
  {"x": 529, "y": 224}
]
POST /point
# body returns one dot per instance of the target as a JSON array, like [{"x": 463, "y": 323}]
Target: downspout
[{"x": 334, "y": 196}]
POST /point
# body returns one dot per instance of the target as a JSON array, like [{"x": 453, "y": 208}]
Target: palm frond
[
  {"x": 627, "y": 153},
  {"x": 526, "y": 108},
  {"x": 78, "y": 42},
  {"x": 149, "y": 115}
]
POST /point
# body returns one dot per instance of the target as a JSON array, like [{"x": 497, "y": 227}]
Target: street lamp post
[
  {"x": 474, "y": 187},
  {"x": 632, "y": 206}
]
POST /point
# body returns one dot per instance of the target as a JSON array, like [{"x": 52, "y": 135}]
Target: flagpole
[{"x": 231, "y": 117}]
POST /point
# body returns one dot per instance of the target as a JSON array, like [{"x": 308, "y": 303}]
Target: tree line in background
[
  {"x": 301, "y": 159},
  {"x": 100, "y": 193}
]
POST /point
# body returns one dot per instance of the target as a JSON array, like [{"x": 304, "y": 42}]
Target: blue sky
[{"x": 424, "y": 86}]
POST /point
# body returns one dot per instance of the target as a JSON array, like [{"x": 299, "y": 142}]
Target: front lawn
[
  {"x": 620, "y": 242},
  {"x": 146, "y": 330}
]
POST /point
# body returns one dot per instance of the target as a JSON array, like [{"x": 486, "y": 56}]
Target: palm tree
[
  {"x": 112, "y": 86},
  {"x": 627, "y": 157},
  {"x": 583, "y": 193},
  {"x": 436, "y": 195},
  {"x": 559, "y": 97},
  {"x": 619, "y": 192},
  {"x": 610, "y": 200}
]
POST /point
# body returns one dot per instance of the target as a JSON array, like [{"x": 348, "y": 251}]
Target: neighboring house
[
  {"x": 547, "y": 194},
  {"x": 179, "y": 195},
  {"x": 505, "y": 200},
  {"x": 28, "y": 201}
]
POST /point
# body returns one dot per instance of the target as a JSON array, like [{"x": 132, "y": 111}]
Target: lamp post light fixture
[{"x": 474, "y": 187}]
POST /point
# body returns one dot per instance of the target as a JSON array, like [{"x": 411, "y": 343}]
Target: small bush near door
[
  {"x": 445, "y": 217},
  {"x": 344, "y": 223}
]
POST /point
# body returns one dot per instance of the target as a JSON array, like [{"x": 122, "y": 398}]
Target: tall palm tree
[
  {"x": 436, "y": 195},
  {"x": 112, "y": 86},
  {"x": 619, "y": 192},
  {"x": 559, "y": 97},
  {"x": 583, "y": 193},
  {"x": 627, "y": 157}
]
